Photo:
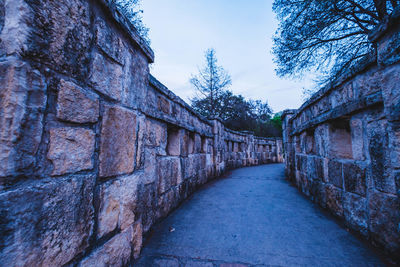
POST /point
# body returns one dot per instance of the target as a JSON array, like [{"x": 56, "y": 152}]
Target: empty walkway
[{"x": 252, "y": 217}]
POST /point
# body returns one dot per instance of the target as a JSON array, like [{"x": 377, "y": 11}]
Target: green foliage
[
  {"x": 131, "y": 9},
  {"x": 328, "y": 36},
  {"x": 214, "y": 100},
  {"x": 277, "y": 121}
]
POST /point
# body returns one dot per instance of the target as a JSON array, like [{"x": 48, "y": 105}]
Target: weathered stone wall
[
  {"x": 342, "y": 147},
  {"x": 93, "y": 149}
]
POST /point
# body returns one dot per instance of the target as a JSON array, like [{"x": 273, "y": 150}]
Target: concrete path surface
[{"x": 252, "y": 217}]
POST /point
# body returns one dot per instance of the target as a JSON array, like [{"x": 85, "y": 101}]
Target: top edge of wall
[
  {"x": 384, "y": 27},
  {"x": 130, "y": 29},
  {"x": 164, "y": 90},
  {"x": 156, "y": 84},
  {"x": 369, "y": 61},
  {"x": 244, "y": 133}
]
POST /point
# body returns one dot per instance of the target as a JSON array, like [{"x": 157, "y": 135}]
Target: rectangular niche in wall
[
  {"x": 297, "y": 144},
  {"x": 173, "y": 141},
  {"x": 310, "y": 142},
  {"x": 203, "y": 144},
  {"x": 191, "y": 142},
  {"x": 241, "y": 147},
  {"x": 260, "y": 148},
  {"x": 340, "y": 139},
  {"x": 235, "y": 147}
]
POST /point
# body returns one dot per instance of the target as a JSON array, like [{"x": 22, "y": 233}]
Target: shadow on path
[{"x": 252, "y": 217}]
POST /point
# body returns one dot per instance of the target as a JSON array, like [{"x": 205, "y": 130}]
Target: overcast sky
[{"x": 241, "y": 33}]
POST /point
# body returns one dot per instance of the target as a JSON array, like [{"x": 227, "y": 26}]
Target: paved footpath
[{"x": 252, "y": 217}]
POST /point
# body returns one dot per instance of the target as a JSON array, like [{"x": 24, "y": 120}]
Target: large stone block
[
  {"x": 75, "y": 105},
  {"x": 391, "y": 93},
  {"x": 191, "y": 166},
  {"x": 116, "y": 252},
  {"x": 176, "y": 111},
  {"x": 118, "y": 202},
  {"x": 169, "y": 173},
  {"x": 367, "y": 83},
  {"x": 164, "y": 105},
  {"x": 320, "y": 194},
  {"x": 147, "y": 205},
  {"x": 156, "y": 134},
  {"x": 136, "y": 79},
  {"x": 384, "y": 216},
  {"x": 319, "y": 168},
  {"x": 55, "y": 33},
  {"x": 394, "y": 147},
  {"x": 46, "y": 223},
  {"x": 107, "y": 77},
  {"x": 357, "y": 139},
  {"x": 335, "y": 173},
  {"x": 354, "y": 178},
  {"x": 134, "y": 63},
  {"x": 71, "y": 150},
  {"x": 380, "y": 162},
  {"x": 137, "y": 239},
  {"x": 151, "y": 100},
  {"x": 141, "y": 140},
  {"x": 396, "y": 175},
  {"x": 305, "y": 183},
  {"x": 109, "y": 41},
  {"x": 341, "y": 95},
  {"x": 118, "y": 141},
  {"x": 150, "y": 165},
  {"x": 167, "y": 201},
  {"x": 388, "y": 48},
  {"x": 334, "y": 200},
  {"x": 22, "y": 104},
  {"x": 311, "y": 168},
  {"x": 355, "y": 212},
  {"x": 16, "y": 19}
]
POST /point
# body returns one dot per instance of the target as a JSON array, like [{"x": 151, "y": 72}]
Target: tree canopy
[
  {"x": 325, "y": 35},
  {"x": 215, "y": 100}
]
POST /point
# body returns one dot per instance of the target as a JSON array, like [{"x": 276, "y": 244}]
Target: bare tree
[
  {"x": 210, "y": 83},
  {"x": 325, "y": 35}
]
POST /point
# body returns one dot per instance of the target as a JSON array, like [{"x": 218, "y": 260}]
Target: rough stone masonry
[
  {"x": 342, "y": 147},
  {"x": 93, "y": 149}
]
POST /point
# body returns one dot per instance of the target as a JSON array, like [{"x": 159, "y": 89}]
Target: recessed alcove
[
  {"x": 191, "y": 142},
  {"x": 173, "y": 141},
  {"x": 340, "y": 139}
]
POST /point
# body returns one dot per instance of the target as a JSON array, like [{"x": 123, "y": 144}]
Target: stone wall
[
  {"x": 93, "y": 149},
  {"x": 342, "y": 147}
]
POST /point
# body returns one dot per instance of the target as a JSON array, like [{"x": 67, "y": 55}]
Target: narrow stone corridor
[{"x": 252, "y": 217}]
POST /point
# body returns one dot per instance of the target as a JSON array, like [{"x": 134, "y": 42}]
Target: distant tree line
[{"x": 213, "y": 100}]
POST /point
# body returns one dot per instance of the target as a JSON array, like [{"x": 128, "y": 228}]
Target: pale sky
[{"x": 241, "y": 33}]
